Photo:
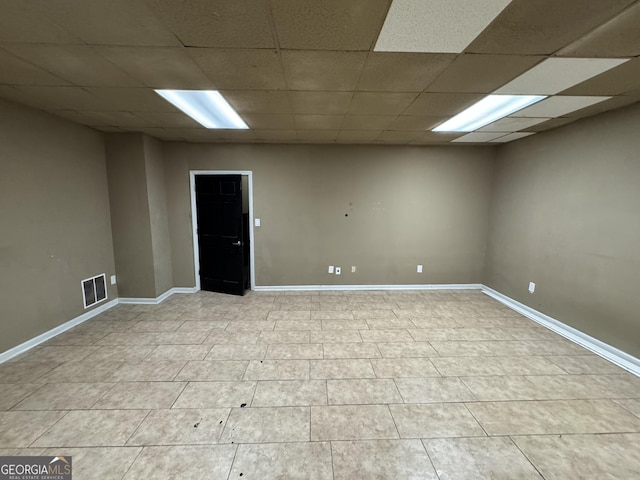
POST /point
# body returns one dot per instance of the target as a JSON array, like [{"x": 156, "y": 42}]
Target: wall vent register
[{"x": 94, "y": 290}]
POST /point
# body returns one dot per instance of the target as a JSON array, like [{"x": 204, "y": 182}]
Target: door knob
[{"x": 237, "y": 244}]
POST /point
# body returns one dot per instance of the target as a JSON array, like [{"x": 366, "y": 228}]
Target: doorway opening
[{"x": 222, "y": 228}]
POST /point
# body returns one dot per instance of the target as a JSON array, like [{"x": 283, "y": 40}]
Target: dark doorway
[{"x": 223, "y": 240}]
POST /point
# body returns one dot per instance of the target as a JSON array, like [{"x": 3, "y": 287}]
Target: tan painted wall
[
  {"x": 405, "y": 206},
  {"x": 54, "y": 219},
  {"x": 566, "y": 215}
]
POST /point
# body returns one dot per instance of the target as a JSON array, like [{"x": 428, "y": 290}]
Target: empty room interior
[{"x": 321, "y": 239}]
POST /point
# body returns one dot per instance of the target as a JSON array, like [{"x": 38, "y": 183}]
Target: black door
[{"x": 221, "y": 233}]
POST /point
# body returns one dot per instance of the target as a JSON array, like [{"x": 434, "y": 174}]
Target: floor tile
[
  {"x": 335, "y": 336},
  {"x": 149, "y": 370},
  {"x": 585, "y": 364},
  {"x": 213, "y": 370},
  {"x": 92, "y": 428},
  {"x": 631, "y": 405},
  {"x": 433, "y": 390},
  {"x": 479, "y": 459},
  {"x": 382, "y": 459},
  {"x": 60, "y": 354},
  {"x": 296, "y": 325},
  {"x": 237, "y": 352},
  {"x": 435, "y": 420},
  {"x": 484, "y": 366},
  {"x": 569, "y": 457},
  {"x": 352, "y": 422},
  {"x": 212, "y": 462},
  {"x": 487, "y": 389},
  {"x": 370, "y": 314},
  {"x": 179, "y": 352},
  {"x": 462, "y": 349},
  {"x": 203, "y": 325},
  {"x": 76, "y": 338},
  {"x": 215, "y": 394},
  {"x": 407, "y": 349},
  {"x": 181, "y": 338},
  {"x": 20, "y": 429},
  {"x": 141, "y": 395},
  {"x": 181, "y": 427},
  {"x": 25, "y": 372},
  {"x": 65, "y": 396},
  {"x": 293, "y": 351},
  {"x": 290, "y": 315},
  {"x": 349, "y": 368},
  {"x": 83, "y": 372},
  {"x": 277, "y": 370},
  {"x": 129, "y": 338},
  {"x": 344, "y": 325},
  {"x": 553, "y": 416},
  {"x": 156, "y": 326},
  {"x": 275, "y": 461},
  {"x": 250, "y": 325},
  {"x": 12, "y": 394},
  {"x": 121, "y": 353},
  {"x": 265, "y": 425},
  {"x": 293, "y": 336},
  {"x": 290, "y": 393},
  {"x": 389, "y": 323},
  {"x": 105, "y": 463},
  {"x": 404, "y": 367},
  {"x": 362, "y": 391},
  {"x": 351, "y": 350},
  {"x": 232, "y": 338},
  {"x": 396, "y": 335},
  {"x": 332, "y": 315}
]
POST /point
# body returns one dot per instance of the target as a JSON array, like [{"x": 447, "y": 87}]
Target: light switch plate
[
  {"x": 419, "y": 269},
  {"x": 113, "y": 279},
  {"x": 257, "y": 222},
  {"x": 330, "y": 268},
  {"x": 532, "y": 287}
]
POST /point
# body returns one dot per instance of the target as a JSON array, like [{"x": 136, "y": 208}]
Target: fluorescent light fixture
[
  {"x": 207, "y": 107},
  {"x": 487, "y": 110}
]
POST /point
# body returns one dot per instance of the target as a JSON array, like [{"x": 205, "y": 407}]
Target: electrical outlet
[
  {"x": 419, "y": 269},
  {"x": 338, "y": 270},
  {"x": 113, "y": 279},
  {"x": 532, "y": 287},
  {"x": 353, "y": 269},
  {"x": 330, "y": 268}
]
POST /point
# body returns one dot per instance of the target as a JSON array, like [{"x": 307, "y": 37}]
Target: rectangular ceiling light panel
[
  {"x": 558, "y": 106},
  {"x": 207, "y": 107},
  {"x": 487, "y": 110},
  {"x": 479, "y": 137},
  {"x": 554, "y": 75},
  {"x": 511, "y": 124},
  {"x": 436, "y": 26}
]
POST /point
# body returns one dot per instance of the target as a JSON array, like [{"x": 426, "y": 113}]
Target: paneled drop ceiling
[{"x": 320, "y": 71}]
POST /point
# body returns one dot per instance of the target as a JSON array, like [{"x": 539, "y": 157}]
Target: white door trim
[{"x": 194, "y": 221}]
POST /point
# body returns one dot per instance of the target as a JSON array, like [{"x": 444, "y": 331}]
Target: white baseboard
[
  {"x": 48, "y": 335},
  {"x": 157, "y": 300},
  {"x": 606, "y": 351},
  {"x": 305, "y": 288}
]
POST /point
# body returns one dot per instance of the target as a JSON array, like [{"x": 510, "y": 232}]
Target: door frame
[{"x": 194, "y": 221}]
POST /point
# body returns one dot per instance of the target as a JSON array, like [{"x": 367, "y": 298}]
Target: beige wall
[
  {"x": 54, "y": 218},
  {"x": 139, "y": 215},
  {"x": 566, "y": 215},
  {"x": 405, "y": 206}
]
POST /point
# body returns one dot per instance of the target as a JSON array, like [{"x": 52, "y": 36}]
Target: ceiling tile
[
  {"x": 78, "y": 64},
  {"x": 218, "y": 23},
  {"x": 78, "y": 117},
  {"x": 126, "y": 120},
  {"x": 512, "y": 124},
  {"x": 441, "y": 104},
  {"x": 329, "y": 24},
  {"x": 429, "y": 138},
  {"x": 375, "y": 103},
  {"x": 616, "y": 81},
  {"x": 478, "y": 137},
  {"x": 406, "y": 122},
  {"x": 16, "y": 71},
  {"x": 619, "y": 37},
  {"x": 358, "y": 136},
  {"x": 276, "y": 135},
  {"x": 235, "y": 135},
  {"x": 544, "y": 26},
  {"x": 258, "y": 101},
  {"x": 113, "y": 22},
  {"x": 19, "y": 23},
  {"x": 401, "y": 72},
  {"x": 67, "y": 98},
  {"x": 394, "y": 136},
  {"x": 131, "y": 99},
  {"x": 557, "y": 106},
  {"x": 269, "y": 121},
  {"x": 367, "y": 122},
  {"x": 320, "y": 103},
  {"x": 240, "y": 69},
  {"x": 319, "y": 122},
  {"x": 472, "y": 73},
  {"x": 168, "y": 119},
  {"x": 511, "y": 137},
  {"x": 322, "y": 70},
  {"x": 554, "y": 75},
  {"x": 610, "y": 104},
  {"x": 164, "y": 67},
  {"x": 317, "y": 135},
  {"x": 439, "y": 26},
  {"x": 550, "y": 124}
]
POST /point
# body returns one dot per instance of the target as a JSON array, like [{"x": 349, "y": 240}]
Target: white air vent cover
[{"x": 94, "y": 290}]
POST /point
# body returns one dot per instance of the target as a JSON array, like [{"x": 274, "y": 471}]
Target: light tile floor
[{"x": 322, "y": 385}]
